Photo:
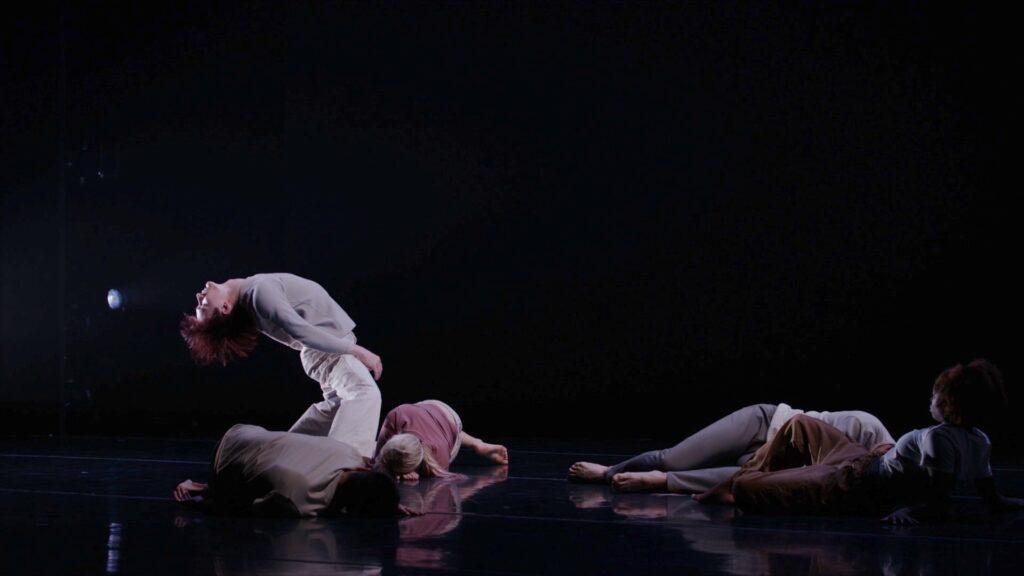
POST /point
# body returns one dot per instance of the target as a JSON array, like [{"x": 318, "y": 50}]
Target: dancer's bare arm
[
  {"x": 188, "y": 491},
  {"x": 370, "y": 360}
]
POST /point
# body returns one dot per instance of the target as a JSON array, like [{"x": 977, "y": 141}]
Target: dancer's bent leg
[
  {"x": 698, "y": 481},
  {"x": 316, "y": 420},
  {"x": 725, "y": 442},
  {"x": 642, "y": 462},
  {"x": 358, "y": 414}
]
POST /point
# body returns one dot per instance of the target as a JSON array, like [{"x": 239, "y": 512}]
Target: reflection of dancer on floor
[
  {"x": 439, "y": 512},
  {"x": 716, "y": 452},
  {"x": 422, "y": 439},
  {"x": 813, "y": 468},
  {"x": 439, "y": 505},
  {"x": 301, "y": 314},
  {"x": 282, "y": 473}
]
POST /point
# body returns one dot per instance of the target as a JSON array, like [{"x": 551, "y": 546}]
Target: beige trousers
[{"x": 350, "y": 410}]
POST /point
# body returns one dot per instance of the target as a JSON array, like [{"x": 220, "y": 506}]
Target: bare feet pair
[{"x": 650, "y": 481}]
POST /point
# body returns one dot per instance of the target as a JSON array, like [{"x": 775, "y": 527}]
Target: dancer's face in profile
[
  {"x": 211, "y": 299},
  {"x": 936, "y": 408}
]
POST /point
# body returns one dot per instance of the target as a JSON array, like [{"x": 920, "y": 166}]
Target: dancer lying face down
[
  {"x": 282, "y": 473},
  {"x": 714, "y": 453},
  {"x": 422, "y": 439},
  {"x": 813, "y": 468}
]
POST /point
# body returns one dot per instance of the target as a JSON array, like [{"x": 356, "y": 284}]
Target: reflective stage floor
[{"x": 103, "y": 506}]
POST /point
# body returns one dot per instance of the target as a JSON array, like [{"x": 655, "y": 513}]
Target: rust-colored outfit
[{"x": 809, "y": 467}]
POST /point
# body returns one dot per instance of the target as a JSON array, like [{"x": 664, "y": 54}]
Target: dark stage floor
[{"x": 101, "y": 505}]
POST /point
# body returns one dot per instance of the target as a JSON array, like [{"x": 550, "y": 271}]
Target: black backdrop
[{"x": 575, "y": 219}]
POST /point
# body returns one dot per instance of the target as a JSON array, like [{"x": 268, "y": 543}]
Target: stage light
[{"x": 115, "y": 299}]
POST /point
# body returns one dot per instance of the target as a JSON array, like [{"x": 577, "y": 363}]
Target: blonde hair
[{"x": 404, "y": 453}]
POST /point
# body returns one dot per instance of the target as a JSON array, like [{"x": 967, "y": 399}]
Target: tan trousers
[{"x": 809, "y": 467}]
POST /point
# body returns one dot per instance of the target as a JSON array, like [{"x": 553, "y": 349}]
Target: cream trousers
[{"x": 350, "y": 410}]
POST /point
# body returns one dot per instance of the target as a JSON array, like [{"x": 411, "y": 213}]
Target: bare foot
[
  {"x": 587, "y": 472},
  {"x": 494, "y": 452},
  {"x": 651, "y": 481}
]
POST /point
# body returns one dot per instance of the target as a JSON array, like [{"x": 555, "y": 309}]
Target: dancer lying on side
[
  {"x": 714, "y": 453},
  {"x": 422, "y": 439},
  {"x": 813, "y": 468},
  {"x": 283, "y": 473}
]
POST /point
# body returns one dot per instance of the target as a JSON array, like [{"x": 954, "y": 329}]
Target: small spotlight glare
[{"x": 115, "y": 299}]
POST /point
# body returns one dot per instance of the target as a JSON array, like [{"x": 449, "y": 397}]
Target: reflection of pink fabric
[
  {"x": 411, "y": 556},
  {"x": 440, "y": 508},
  {"x": 429, "y": 423}
]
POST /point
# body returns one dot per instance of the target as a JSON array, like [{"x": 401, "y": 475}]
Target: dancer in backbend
[
  {"x": 299, "y": 313},
  {"x": 422, "y": 439},
  {"x": 714, "y": 453}
]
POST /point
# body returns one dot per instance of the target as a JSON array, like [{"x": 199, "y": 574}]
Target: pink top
[{"x": 428, "y": 422}]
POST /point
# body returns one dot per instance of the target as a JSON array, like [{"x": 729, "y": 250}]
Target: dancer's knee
[{"x": 368, "y": 394}]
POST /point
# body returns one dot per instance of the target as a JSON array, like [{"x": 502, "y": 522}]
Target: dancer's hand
[
  {"x": 413, "y": 476},
  {"x": 901, "y": 517},
  {"x": 370, "y": 360},
  {"x": 188, "y": 490}
]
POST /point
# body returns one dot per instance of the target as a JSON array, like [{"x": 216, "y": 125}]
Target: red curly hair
[
  {"x": 221, "y": 337},
  {"x": 968, "y": 395}
]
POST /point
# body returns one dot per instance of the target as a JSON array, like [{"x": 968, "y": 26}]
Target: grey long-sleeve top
[{"x": 297, "y": 312}]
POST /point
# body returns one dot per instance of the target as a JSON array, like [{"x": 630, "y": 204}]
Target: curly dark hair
[
  {"x": 221, "y": 337},
  {"x": 969, "y": 394}
]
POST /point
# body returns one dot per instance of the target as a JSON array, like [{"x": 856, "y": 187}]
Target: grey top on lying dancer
[{"x": 280, "y": 473}]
